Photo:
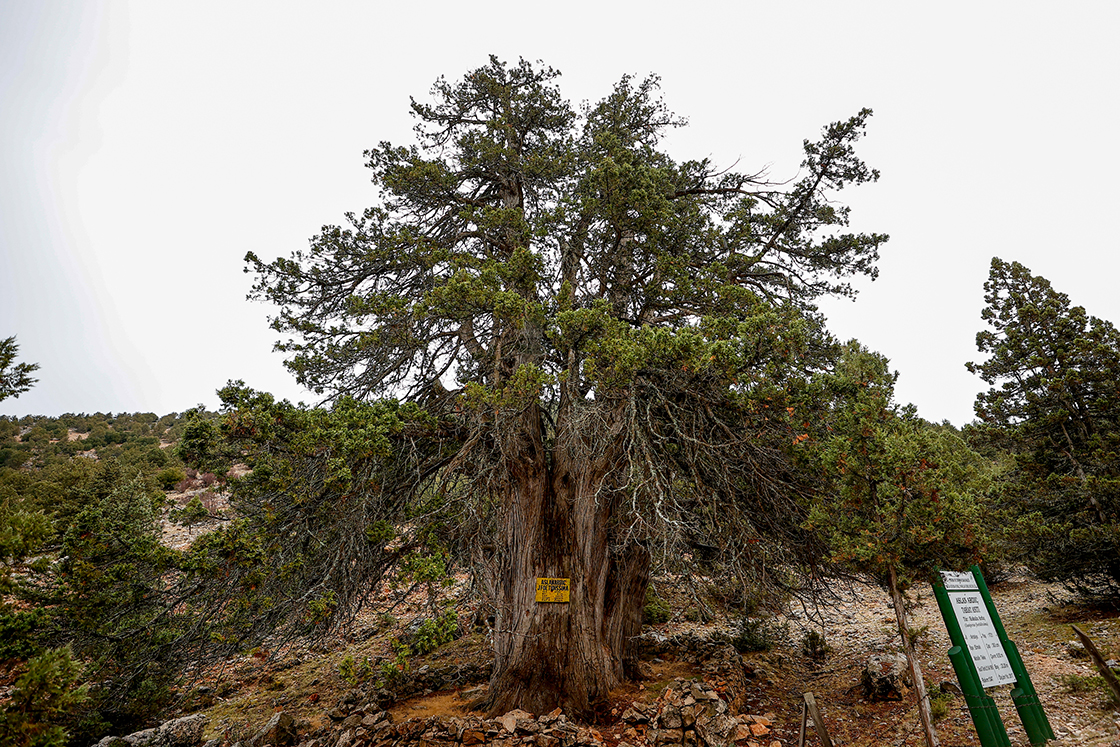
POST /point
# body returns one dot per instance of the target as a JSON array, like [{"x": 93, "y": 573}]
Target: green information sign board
[{"x": 984, "y": 657}]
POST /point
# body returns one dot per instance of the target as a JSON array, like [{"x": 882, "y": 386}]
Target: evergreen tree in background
[
  {"x": 88, "y": 594},
  {"x": 46, "y": 693},
  {"x": 14, "y": 379},
  {"x": 1055, "y": 405}
]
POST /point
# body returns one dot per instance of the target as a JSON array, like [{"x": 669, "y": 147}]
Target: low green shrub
[
  {"x": 939, "y": 704},
  {"x": 192, "y": 513},
  {"x": 754, "y": 634},
  {"x": 44, "y": 695},
  {"x": 656, "y": 609},
  {"x": 1079, "y": 684},
  {"x": 434, "y": 633},
  {"x": 814, "y": 646},
  {"x": 734, "y": 595},
  {"x": 390, "y": 673},
  {"x": 169, "y": 477},
  {"x": 353, "y": 672}
]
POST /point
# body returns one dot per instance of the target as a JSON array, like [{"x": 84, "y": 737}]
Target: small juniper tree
[
  {"x": 904, "y": 494},
  {"x": 192, "y": 513},
  {"x": 45, "y": 694}
]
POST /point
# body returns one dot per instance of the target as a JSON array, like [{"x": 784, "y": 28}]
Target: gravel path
[{"x": 1037, "y": 617}]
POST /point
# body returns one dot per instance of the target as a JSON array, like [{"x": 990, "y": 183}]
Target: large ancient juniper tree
[{"x": 607, "y": 338}]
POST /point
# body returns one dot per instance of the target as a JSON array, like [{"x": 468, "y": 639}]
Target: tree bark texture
[{"x": 556, "y": 524}]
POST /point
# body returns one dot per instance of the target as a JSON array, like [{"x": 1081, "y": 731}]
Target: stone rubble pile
[
  {"x": 692, "y": 714},
  {"x": 688, "y": 713},
  {"x": 180, "y": 732},
  {"x": 428, "y": 679},
  {"x": 280, "y": 731},
  {"x": 514, "y": 728},
  {"x": 730, "y": 672}
]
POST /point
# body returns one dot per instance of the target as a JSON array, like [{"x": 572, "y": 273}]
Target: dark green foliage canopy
[
  {"x": 553, "y": 288},
  {"x": 14, "y": 379},
  {"x": 44, "y": 694},
  {"x": 904, "y": 492},
  {"x": 521, "y": 238},
  {"x": 326, "y": 509},
  {"x": 1056, "y": 407}
]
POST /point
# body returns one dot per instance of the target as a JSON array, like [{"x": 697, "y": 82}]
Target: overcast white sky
[{"x": 147, "y": 146}]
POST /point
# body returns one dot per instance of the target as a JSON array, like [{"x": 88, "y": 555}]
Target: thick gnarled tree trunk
[{"x": 556, "y": 524}]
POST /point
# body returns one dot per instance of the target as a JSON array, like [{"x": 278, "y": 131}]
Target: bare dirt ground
[
  {"x": 1037, "y": 617},
  {"x": 307, "y": 681}
]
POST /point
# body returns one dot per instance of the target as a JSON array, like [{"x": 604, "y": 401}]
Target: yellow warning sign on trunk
[{"x": 553, "y": 589}]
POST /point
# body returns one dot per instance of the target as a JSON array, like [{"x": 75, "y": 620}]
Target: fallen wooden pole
[{"x": 1102, "y": 667}]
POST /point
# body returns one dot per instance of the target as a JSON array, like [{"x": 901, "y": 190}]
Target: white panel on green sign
[
  {"x": 959, "y": 581},
  {"x": 979, "y": 633}
]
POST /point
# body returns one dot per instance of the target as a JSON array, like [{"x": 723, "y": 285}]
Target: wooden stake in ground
[
  {"x": 809, "y": 710},
  {"x": 1099, "y": 661},
  {"x": 915, "y": 665}
]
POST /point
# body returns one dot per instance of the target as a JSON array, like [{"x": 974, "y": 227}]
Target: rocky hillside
[{"x": 703, "y": 684}]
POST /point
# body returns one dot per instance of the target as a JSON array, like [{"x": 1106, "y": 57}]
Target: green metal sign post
[
  {"x": 983, "y": 656},
  {"x": 1024, "y": 695}
]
